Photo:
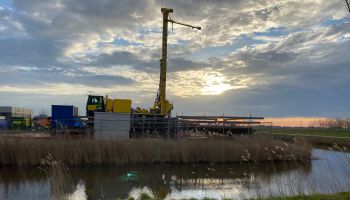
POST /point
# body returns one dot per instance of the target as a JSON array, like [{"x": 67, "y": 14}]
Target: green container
[{"x": 18, "y": 123}]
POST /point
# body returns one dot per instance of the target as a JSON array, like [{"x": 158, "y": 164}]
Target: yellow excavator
[{"x": 162, "y": 106}]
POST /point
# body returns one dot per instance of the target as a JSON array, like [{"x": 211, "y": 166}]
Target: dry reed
[
  {"x": 87, "y": 151},
  {"x": 60, "y": 179}
]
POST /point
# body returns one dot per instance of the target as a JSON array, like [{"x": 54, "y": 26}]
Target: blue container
[
  {"x": 62, "y": 115},
  {"x": 3, "y": 124},
  {"x": 78, "y": 123}
]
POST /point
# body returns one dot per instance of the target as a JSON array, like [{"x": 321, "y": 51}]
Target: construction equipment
[
  {"x": 95, "y": 104},
  {"x": 101, "y": 104},
  {"x": 161, "y": 106},
  {"x": 157, "y": 120},
  {"x": 158, "y": 117}
]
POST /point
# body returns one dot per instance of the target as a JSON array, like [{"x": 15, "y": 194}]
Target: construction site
[
  {"x": 248, "y": 100},
  {"x": 119, "y": 118}
]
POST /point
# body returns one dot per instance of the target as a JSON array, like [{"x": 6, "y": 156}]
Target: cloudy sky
[{"x": 267, "y": 58}]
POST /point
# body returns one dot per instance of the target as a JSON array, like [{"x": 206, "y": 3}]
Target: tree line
[{"x": 335, "y": 123}]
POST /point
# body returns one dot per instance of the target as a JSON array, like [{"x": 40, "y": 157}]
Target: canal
[{"x": 329, "y": 172}]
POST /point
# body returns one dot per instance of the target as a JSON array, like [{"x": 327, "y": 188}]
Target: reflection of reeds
[
  {"x": 60, "y": 179},
  {"x": 78, "y": 152}
]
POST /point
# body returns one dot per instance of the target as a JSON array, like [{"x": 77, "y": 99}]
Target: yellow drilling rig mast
[{"x": 161, "y": 105}]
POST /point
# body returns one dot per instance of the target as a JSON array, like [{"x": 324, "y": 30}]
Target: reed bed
[
  {"x": 25, "y": 152},
  {"x": 60, "y": 178}
]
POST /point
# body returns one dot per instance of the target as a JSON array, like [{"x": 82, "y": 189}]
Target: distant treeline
[{"x": 336, "y": 123}]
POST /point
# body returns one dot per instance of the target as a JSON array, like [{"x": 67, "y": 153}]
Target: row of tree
[{"x": 336, "y": 123}]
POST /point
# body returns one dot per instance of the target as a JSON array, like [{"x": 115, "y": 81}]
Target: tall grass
[
  {"x": 60, "y": 179},
  {"x": 87, "y": 151}
]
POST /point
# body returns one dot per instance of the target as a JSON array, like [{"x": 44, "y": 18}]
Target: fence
[
  {"x": 226, "y": 125},
  {"x": 107, "y": 125}
]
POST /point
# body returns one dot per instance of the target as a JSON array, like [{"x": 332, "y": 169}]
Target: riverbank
[
  {"x": 321, "y": 132},
  {"x": 328, "y": 142},
  {"x": 26, "y": 152},
  {"x": 338, "y": 196}
]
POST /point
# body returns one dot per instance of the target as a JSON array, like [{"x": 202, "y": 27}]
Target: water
[{"x": 328, "y": 173}]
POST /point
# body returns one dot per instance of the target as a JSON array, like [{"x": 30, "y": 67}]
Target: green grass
[
  {"x": 338, "y": 196},
  {"x": 312, "y": 132}
]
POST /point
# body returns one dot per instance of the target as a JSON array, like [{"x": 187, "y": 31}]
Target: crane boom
[
  {"x": 175, "y": 22},
  {"x": 161, "y": 104}
]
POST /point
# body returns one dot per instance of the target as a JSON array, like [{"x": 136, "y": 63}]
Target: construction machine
[
  {"x": 157, "y": 119},
  {"x": 105, "y": 104},
  {"x": 161, "y": 107}
]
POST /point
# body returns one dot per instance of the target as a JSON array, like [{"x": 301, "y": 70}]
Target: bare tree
[
  {"x": 347, "y": 2},
  {"x": 43, "y": 114},
  {"x": 347, "y": 121},
  {"x": 335, "y": 123}
]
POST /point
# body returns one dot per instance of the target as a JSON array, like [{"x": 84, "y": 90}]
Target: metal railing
[{"x": 152, "y": 126}]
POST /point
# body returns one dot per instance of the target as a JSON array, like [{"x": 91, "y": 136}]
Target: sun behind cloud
[{"x": 215, "y": 84}]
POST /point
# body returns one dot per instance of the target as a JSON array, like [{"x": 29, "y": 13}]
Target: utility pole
[{"x": 161, "y": 104}]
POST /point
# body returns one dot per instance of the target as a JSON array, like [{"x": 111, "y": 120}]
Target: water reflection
[
  {"x": 329, "y": 173},
  {"x": 79, "y": 193}
]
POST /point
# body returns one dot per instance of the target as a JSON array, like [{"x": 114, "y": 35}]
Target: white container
[
  {"x": 111, "y": 125},
  {"x": 11, "y": 111}
]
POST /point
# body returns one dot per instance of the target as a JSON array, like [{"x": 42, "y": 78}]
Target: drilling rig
[
  {"x": 159, "y": 115},
  {"x": 161, "y": 105},
  {"x": 157, "y": 120}
]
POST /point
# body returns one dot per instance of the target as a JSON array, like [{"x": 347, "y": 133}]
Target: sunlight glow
[{"x": 215, "y": 84}]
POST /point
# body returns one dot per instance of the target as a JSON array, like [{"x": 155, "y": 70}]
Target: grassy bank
[
  {"x": 317, "y": 137},
  {"x": 338, "y": 196},
  {"x": 81, "y": 152},
  {"x": 312, "y": 132}
]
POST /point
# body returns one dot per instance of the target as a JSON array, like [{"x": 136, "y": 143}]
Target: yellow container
[
  {"x": 27, "y": 122},
  {"x": 122, "y": 105},
  {"x": 109, "y": 105}
]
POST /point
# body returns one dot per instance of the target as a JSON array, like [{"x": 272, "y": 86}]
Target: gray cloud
[
  {"x": 152, "y": 66},
  {"x": 83, "y": 16},
  {"x": 36, "y": 77},
  {"x": 276, "y": 101},
  {"x": 28, "y": 52},
  {"x": 307, "y": 59}
]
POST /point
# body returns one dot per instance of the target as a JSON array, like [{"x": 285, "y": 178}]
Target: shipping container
[
  {"x": 5, "y": 109},
  {"x": 18, "y": 123},
  {"x": 15, "y": 117},
  {"x": 3, "y": 124},
  {"x": 63, "y": 116},
  {"x": 112, "y": 125},
  {"x": 10, "y": 111},
  {"x": 121, "y": 105},
  {"x": 28, "y": 122}
]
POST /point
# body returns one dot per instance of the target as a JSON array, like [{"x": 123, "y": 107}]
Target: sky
[
  {"x": 294, "y": 121},
  {"x": 277, "y": 58}
]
